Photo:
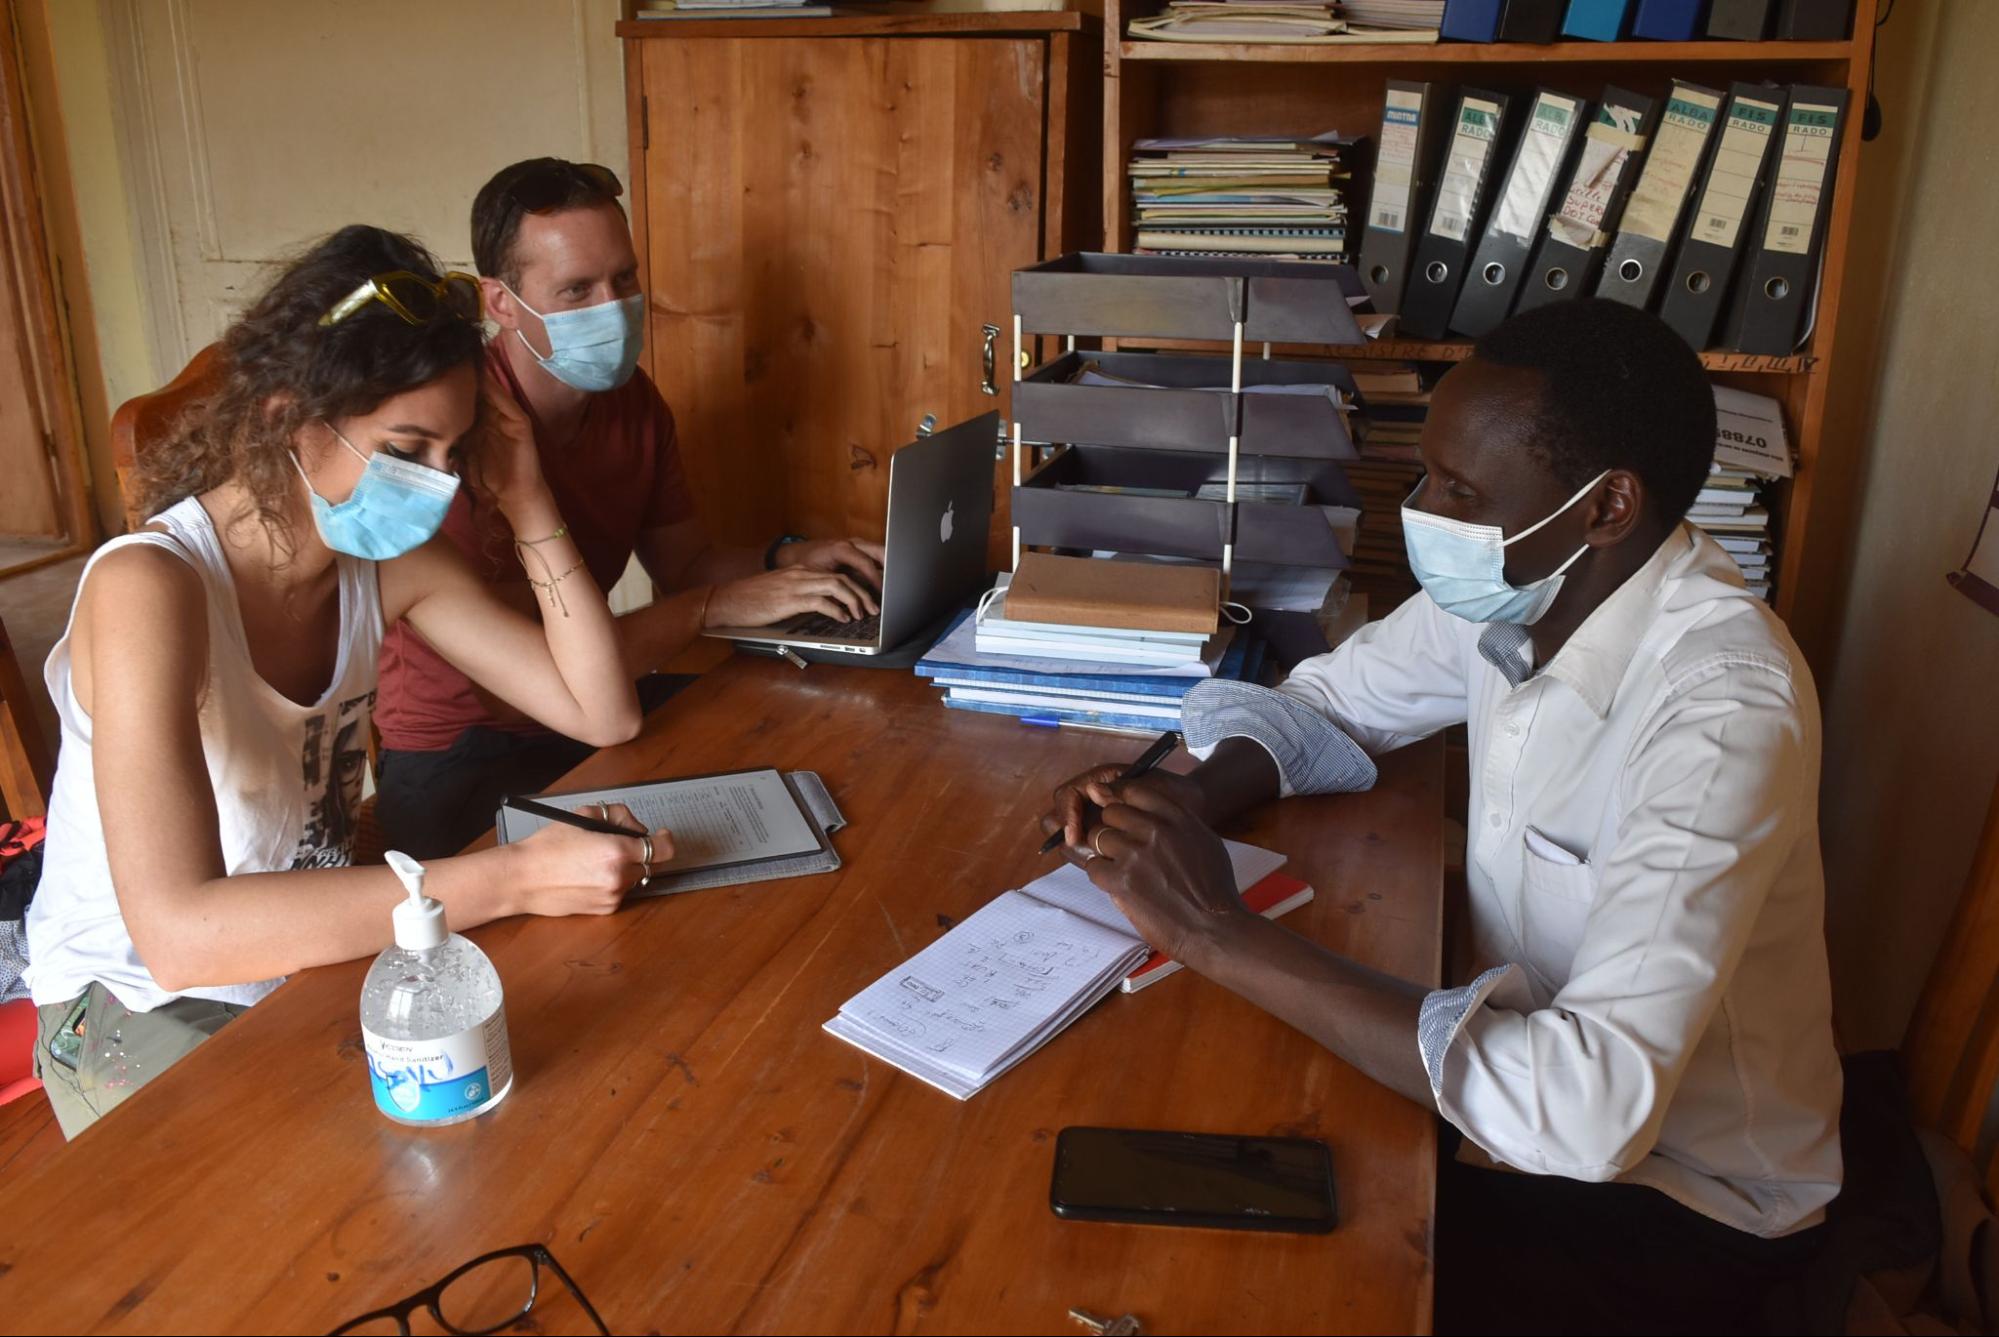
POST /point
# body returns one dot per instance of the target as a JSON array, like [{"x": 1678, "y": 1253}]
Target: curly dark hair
[{"x": 280, "y": 369}]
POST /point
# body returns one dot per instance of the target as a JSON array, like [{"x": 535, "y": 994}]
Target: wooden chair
[
  {"x": 27, "y": 767},
  {"x": 1952, "y": 1048},
  {"x": 145, "y": 420}
]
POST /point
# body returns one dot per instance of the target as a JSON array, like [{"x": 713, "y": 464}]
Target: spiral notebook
[
  {"x": 728, "y": 829},
  {"x": 1007, "y": 980}
]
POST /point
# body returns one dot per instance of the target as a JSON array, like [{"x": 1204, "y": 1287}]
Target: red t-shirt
[{"x": 619, "y": 477}]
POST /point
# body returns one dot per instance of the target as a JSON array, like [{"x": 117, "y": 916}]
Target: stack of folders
[
  {"x": 1707, "y": 206},
  {"x": 1007, "y": 980},
  {"x": 1256, "y": 195},
  {"x": 732, "y": 9},
  {"x": 1751, "y": 450}
]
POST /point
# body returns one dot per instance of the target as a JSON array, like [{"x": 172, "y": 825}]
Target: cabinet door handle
[{"x": 986, "y": 386}]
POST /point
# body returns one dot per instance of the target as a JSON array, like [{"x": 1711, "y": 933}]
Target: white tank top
[{"x": 287, "y": 777}]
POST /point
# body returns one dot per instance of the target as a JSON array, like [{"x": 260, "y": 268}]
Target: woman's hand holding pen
[{"x": 563, "y": 870}]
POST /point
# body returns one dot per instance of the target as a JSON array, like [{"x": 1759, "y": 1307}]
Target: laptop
[{"x": 940, "y": 502}]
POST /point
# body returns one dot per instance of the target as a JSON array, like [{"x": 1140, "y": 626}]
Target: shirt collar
[{"x": 1594, "y": 660}]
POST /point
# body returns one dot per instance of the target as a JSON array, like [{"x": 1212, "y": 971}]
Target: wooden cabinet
[{"x": 828, "y": 212}]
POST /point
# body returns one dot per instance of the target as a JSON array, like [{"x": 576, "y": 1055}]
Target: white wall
[
  {"x": 1912, "y": 705},
  {"x": 208, "y": 140}
]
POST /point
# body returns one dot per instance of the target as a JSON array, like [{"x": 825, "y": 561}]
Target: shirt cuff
[
  {"x": 1443, "y": 1015},
  {"x": 1312, "y": 754}
]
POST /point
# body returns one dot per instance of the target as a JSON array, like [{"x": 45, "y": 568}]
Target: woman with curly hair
[{"x": 216, "y": 678}]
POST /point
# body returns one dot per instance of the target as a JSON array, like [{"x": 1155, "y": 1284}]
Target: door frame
[{"x": 46, "y": 341}]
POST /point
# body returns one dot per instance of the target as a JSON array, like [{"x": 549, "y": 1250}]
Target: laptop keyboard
[{"x": 821, "y": 627}]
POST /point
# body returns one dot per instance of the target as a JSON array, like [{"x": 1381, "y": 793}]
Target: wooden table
[{"x": 702, "y": 1157}]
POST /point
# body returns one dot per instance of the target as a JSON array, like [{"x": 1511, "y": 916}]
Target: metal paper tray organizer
[{"x": 1185, "y": 421}]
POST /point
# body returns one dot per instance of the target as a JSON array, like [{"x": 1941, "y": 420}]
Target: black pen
[
  {"x": 576, "y": 819},
  {"x": 1162, "y": 748}
]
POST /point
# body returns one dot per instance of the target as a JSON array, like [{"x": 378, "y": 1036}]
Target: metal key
[{"x": 1124, "y": 1325}]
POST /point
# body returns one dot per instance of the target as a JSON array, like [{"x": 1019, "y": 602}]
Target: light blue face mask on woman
[
  {"x": 1462, "y": 567},
  {"x": 395, "y": 507},
  {"x": 594, "y": 348}
]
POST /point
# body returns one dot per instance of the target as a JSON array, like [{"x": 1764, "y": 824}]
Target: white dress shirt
[{"x": 1646, "y": 896}]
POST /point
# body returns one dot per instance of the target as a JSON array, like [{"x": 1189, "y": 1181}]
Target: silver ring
[
  {"x": 604, "y": 811},
  {"x": 646, "y": 842},
  {"x": 1096, "y": 848}
]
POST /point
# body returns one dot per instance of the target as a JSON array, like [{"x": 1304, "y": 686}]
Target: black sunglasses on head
[{"x": 550, "y": 185}]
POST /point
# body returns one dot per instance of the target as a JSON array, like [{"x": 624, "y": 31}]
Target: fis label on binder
[
  {"x": 1738, "y": 167},
  {"x": 1801, "y": 178}
]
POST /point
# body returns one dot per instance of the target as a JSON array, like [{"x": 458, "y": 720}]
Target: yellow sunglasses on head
[{"x": 418, "y": 300}]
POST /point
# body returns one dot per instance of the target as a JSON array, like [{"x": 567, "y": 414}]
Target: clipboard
[{"x": 815, "y": 806}]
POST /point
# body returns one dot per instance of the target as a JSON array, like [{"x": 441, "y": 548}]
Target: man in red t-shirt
[{"x": 560, "y": 280}]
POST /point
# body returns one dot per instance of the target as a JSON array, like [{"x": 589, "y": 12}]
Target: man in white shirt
[{"x": 1647, "y": 1033}]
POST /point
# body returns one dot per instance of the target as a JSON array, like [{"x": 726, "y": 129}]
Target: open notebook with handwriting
[{"x": 1004, "y": 982}]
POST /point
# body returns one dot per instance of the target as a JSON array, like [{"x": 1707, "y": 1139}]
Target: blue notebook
[
  {"x": 1598, "y": 20},
  {"x": 1667, "y": 20}
]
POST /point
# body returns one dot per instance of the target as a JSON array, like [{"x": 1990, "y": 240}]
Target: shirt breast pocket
[{"x": 1557, "y": 890}]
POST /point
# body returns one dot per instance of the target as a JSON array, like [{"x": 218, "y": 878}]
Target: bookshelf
[{"x": 1188, "y": 88}]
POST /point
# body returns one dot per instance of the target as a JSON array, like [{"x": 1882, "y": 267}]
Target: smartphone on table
[{"x": 1148, "y": 1177}]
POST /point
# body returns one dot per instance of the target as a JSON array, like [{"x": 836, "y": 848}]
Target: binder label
[
  {"x": 1738, "y": 165},
  {"x": 1794, "y": 198},
  {"x": 1395, "y": 163},
  {"x": 1610, "y": 141},
  {"x": 1533, "y": 175},
  {"x": 1464, "y": 170},
  {"x": 1654, "y": 208}
]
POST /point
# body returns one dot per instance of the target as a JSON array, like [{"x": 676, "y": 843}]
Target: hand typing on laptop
[{"x": 834, "y": 578}]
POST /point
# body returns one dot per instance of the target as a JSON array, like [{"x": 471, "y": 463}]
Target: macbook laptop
[{"x": 940, "y": 501}]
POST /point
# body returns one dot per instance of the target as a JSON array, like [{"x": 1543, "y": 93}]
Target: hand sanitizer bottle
[{"x": 431, "y": 1018}]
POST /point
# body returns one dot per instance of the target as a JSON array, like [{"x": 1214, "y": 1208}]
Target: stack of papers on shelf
[
  {"x": 1327, "y": 21},
  {"x": 1007, "y": 980},
  {"x": 732, "y": 9},
  {"x": 1259, "y": 195},
  {"x": 1412, "y": 15},
  {"x": 1751, "y": 450}
]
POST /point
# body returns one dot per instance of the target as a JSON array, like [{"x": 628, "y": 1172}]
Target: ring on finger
[
  {"x": 1095, "y": 846},
  {"x": 645, "y": 850}
]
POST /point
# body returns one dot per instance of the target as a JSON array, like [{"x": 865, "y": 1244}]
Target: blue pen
[{"x": 1041, "y": 721}]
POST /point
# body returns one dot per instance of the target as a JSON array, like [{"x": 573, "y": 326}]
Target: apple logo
[{"x": 944, "y": 525}]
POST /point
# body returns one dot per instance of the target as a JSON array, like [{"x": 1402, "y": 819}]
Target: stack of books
[
  {"x": 1050, "y": 645},
  {"x": 1732, "y": 512},
  {"x": 1396, "y": 401},
  {"x": 1265, "y": 196},
  {"x": 1751, "y": 449}
]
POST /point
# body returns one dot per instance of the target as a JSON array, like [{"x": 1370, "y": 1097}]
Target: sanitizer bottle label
[{"x": 424, "y": 1080}]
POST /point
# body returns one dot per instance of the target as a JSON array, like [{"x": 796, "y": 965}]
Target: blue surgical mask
[
  {"x": 1462, "y": 567},
  {"x": 594, "y": 348},
  {"x": 395, "y": 507}
]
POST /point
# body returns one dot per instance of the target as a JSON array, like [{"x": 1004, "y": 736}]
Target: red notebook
[{"x": 1274, "y": 896}]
